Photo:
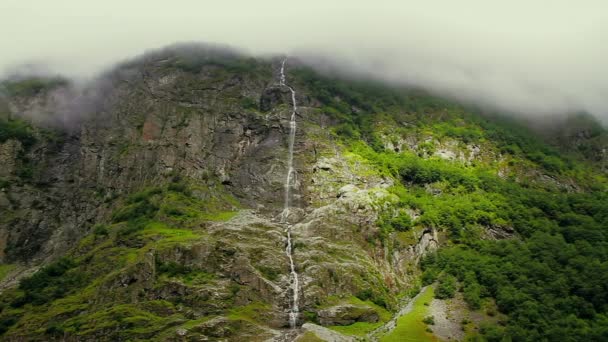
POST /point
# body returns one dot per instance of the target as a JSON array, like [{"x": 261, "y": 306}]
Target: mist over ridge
[{"x": 536, "y": 60}]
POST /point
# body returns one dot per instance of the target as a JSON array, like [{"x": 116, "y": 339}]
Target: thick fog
[{"x": 536, "y": 58}]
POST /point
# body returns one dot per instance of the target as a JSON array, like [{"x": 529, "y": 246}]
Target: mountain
[{"x": 197, "y": 194}]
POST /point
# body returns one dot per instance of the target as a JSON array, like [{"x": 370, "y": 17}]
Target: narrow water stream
[{"x": 290, "y": 182}]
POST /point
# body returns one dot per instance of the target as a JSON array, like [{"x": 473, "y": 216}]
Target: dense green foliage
[
  {"x": 18, "y": 130},
  {"x": 551, "y": 277},
  {"x": 52, "y": 282},
  {"x": 551, "y": 283}
]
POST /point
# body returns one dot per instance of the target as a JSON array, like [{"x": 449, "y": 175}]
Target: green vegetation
[
  {"x": 32, "y": 86},
  {"x": 549, "y": 279},
  {"x": 175, "y": 204},
  {"x": 249, "y": 103},
  {"x": 254, "y": 312},
  {"x": 551, "y": 287},
  {"x": 446, "y": 287},
  {"x": 309, "y": 336},
  {"x": 360, "y": 328},
  {"x": 522, "y": 227},
  {"x": 235, "y": 64},
  {"x": 269, "y": 273},
  {"x": 5, "y": 269},
  {"x": 549, "y": 282},
  {"x": 356, "y": 329},
  {"x": 17, "y": 129},
  {"x": 401, "y": 222},
  {"x": 52, "y": 282},
  {"x": 412, "y": 325},
  {"x": 119, "y": 320},
  {"x": 51, "y": 301}
]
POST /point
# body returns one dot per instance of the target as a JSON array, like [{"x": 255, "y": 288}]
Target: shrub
[
  {"x": 420, "y": 173},
  {"x": 429, "y": 276},
  {"x": 402, "y": 222},
  {"x": 139, "y": 206},
  {"x": 269, "y": 273},
  {"x": 143, "y": 209},
  {"x": 365, "y": 294},
  {"x": 429, "y": 320},
  {"x": 144, "y": 195},
  {"x": 54, "y": 330},
  {"x": 472, "y": 295},
  {"x": 132, "y": 226},
  {"x": 51, "y": 282},
  {"x": 249, "y": 103},
  {"x": 492, "y": 333},
  {"x": 100, "y": 230},
  {"x": 173, "y": 268},
  {"x": 446, "y": 287},
  {"x": 6, "y": 323},
  {"x": 348, "y": 131},
  {"x": 179, "y": 186},
  {"x": 311, "y": 316},
  {"x": 380, "y": 300},
  {"x": 17, "y": 129},
  {"x": 173, "y": 211}
]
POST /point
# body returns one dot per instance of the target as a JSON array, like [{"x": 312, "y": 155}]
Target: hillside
[{"x": 156, "y": 205}]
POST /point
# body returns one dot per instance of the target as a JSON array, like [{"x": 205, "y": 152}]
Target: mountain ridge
[{"x": 158, "y": 215}]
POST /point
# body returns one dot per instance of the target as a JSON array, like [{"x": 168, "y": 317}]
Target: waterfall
[{"x": 290, "y": 182}]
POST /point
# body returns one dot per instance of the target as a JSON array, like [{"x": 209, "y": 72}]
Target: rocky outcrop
[
  {"x": 154, "y": 124},
  {"x": 347, "y": 314},
  {"x": 324, "y": 334}
]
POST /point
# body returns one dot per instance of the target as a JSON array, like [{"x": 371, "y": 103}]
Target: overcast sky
[{"x": 530, "y": 56}]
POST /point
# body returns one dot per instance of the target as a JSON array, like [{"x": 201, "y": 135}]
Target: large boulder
[{"x": 347, "y": 314}]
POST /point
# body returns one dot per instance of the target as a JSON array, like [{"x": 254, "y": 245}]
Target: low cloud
[{"x": 532, "y": 58}]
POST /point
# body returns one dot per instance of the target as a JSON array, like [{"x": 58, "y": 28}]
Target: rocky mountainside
[{"x": 147, "y": 206}]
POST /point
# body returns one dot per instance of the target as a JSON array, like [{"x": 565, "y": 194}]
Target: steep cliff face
[
  {"x": 210, "y": 141},
  {"x": 161, "y": 201}
]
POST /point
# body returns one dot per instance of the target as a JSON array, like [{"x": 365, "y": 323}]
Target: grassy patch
[
  {"x": 269, "y": 273},
  {"x": 309, "y": 336},
  {"x": 410, "y": 327},
  {"x": 253, "y": 313},
  {"x": 5, "y": 269},
  {"x": 356, "y": 329},
  {"x": 219, "y": 216},
  {"x": 198, "y": 277},
  {"x": 167, "y": 235},
  {"x": 125, "y": 320},
  {"x": 360, "y": 328}
]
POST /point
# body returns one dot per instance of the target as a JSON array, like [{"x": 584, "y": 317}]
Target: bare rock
[{"x": 347, "y": 314}]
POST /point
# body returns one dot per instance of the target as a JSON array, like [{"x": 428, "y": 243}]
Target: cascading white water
[{"x": 290, "y": 182}]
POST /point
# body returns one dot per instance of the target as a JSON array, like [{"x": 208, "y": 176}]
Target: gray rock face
[
  {"x": 347, "y": 314},
  {"x": 218, "y": 129},
  {"x": 9, "y": 152},
  {"x": 154, "y": 125}
]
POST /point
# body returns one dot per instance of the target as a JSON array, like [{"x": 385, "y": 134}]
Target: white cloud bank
[{"x": 538, "y": 57}]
